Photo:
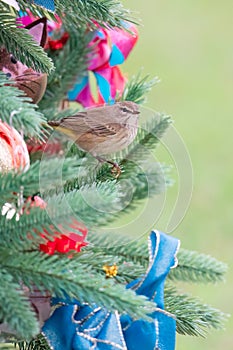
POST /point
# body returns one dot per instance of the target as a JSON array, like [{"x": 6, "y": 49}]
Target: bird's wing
[
  {"x": 96, "y": 121},
  {"x": 76, "y": 123},
  {"x": 102, "y": 123},
  {"x": 105, "y": 130}
]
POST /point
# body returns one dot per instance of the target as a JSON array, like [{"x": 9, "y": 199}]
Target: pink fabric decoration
[{"x": 110, "y": 48}]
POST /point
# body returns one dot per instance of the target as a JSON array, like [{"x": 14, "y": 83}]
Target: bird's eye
[
  {"x": 125, "y": 110},
  {"x": 13, "y": 59}
]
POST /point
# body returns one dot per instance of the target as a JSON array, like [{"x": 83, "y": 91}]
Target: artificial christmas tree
[{"x": 105, "y": 290}]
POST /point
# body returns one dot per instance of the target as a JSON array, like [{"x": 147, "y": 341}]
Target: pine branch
[
  {"x": 145, "y": 182},
  {"x": 192, "y": 317},
  {"x": 149, "y": 134},
  {"x": 18, "y": 111},
  {"x": 133, "y": 161},
  {"x": 93, "y": 205},
  {"x": 192, "y": 266},
  {"x": 103, "y": 243},
  {"x": 196, "y": 267},
  {"x": 121, "y": 250},
  {"x": 131, "y": 250},
  {"x": 93, "y": 260},
  {"x": 151, "y": 180},
  {"x": 41, "y": 176},
  {"x": 134, "y": 158},
  {"x": 70, "y": 63},
  {"x": 26, "y": 233},
  {"x": 146, "y": 178},
  {"x": 17, "y": 41},
  {"x": 15, "y": 310},
  {"x": 87, "y": 172},
  {"x": 39, "y": 343},
  {"x": 137, "y": 87},
  {"x": 81, "y": 13},
  {"x": 97, "y": 257},
  {"x": 128, "y": 271},
  {"x": 55, "y": 172},
  {"x": 157, "y": 178},
  {"x": 109, "y": 13},
  {"x": 65, "y": 277}
]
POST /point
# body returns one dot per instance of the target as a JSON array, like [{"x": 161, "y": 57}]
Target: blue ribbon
[
  {"x": 48, "y": 4},
  {"x": 81, "y": 326},
  {"x": 159, "y": 334}
]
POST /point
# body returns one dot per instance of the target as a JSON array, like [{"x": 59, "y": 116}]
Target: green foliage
[
  {"x": 196, "y": 267},
  {"x": 146, "y": 177},
  {"x": 192, "y": 266},
  {"x": 15, "y": 310},
  {"x": 21, "y": 44},
  {"x": 80, "y": 13},
  {"x": 192, "y": 316},
  {"x": 61, "y": 209},
  {"x": 38, "y": 343},
  {"x": 18, "y": 111},
  {"x": 70, "y": 63},
  {"x": 105, "y": 12},
  {"x": 78, "y": 281},
  {"x": 149, "y": 134},
  {"x": 137, "y": 88},
  {"x": 74, "y": 186},
  {"x": 41, "y": 176}
]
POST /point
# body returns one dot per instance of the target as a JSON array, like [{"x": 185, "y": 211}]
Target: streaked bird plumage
[{"x": 102, "y": 130}]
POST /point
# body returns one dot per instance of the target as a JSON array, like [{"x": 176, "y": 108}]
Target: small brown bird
[{"x": 102, "y": 130}]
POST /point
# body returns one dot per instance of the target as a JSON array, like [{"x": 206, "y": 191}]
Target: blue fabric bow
[
  {"x": 81, "y": 326},
  {"x": 48, "y": 4}
]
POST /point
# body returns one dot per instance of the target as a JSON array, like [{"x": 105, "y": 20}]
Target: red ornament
[
  {"x": 59, "y": 43},
  {"x": 48, "y": 147},
  {"x": 13, "y": 150},
  {"x": 64, "y": 244},
  {"x": 67, "y": 241}
]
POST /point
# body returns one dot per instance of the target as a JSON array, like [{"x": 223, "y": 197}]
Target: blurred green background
[{"x": 188, "y": 44}]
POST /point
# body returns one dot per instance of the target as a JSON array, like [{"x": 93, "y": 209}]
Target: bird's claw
[{"x": 116, "y": 170}]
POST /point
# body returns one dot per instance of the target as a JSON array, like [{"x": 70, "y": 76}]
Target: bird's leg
[{"x": 116, "y": 170}]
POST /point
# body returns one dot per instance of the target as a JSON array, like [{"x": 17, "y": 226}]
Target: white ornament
[{"x": 9, "y": 210}]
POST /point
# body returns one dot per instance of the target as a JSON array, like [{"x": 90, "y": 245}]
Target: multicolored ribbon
[
  {"x": 110, "y": 48},
  {"x": 79, "y": 326}
]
